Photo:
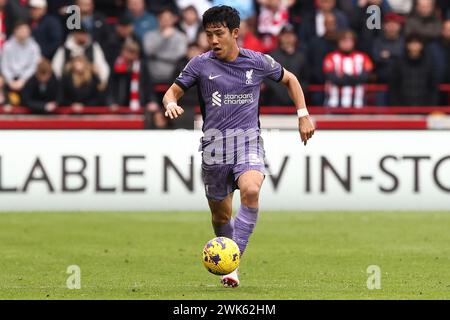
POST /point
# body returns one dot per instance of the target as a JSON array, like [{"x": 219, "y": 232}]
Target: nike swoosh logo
[{"x": 211, "y": 77}]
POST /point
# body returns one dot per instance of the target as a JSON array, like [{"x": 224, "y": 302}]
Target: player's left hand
[{"x": 306, "y": 128}]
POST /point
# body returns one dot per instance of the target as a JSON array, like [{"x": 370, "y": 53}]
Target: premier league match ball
[{"x": 221, "y": 256}]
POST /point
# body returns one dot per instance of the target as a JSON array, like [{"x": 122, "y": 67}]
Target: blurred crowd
[{"x": 123, "y": 48}]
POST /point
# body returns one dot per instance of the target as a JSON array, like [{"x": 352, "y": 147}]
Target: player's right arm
[
  {"x": 187, "y": 78},
  {"x": 170, "y": 101}
]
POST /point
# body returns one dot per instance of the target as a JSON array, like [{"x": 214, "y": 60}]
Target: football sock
[
  {"x": 244, "y": 224},
  {"x": 224, "y": 230}
]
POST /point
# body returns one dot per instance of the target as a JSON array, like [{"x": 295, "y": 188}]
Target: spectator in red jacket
[
  {"x": 346, "y": 71},
  {"x": 248, "y": 39}
]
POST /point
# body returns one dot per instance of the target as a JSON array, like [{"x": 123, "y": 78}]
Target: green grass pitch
[{"x": 303, "y": 255}]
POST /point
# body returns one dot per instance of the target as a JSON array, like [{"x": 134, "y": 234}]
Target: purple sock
[
  {"x": 243, "y": 226},
  {"x": 224, "y": 230}
]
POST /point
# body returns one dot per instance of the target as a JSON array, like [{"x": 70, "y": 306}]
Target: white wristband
[
  {"x": 171, "y": 104},
  {"x": 302, "y": 112}
]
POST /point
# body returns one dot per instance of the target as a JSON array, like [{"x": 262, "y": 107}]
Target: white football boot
[{"x": 230, "y": 280}]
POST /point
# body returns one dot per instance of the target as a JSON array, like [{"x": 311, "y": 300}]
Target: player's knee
[
  {"x": 220, "y": 218},
  {"x": 250, "y": 193}
]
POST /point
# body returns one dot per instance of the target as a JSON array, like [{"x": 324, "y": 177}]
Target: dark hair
[
  {"x": 20, "y": 23},
  {"x": 222, "y": 16},
  {"x": 345, "y": 33},
  {"x": 414, "y": 37}
]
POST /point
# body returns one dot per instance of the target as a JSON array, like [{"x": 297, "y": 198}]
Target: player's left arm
[{"x": 305, "y": 124}]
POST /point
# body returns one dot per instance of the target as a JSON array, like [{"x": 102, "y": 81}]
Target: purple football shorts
[{"x": 221, "y": 179}]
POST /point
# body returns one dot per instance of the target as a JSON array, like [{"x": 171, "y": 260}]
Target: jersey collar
[{"x": 242, "y": 53}]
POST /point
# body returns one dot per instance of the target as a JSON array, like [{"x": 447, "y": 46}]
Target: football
[{"x": 221, "y": 256}]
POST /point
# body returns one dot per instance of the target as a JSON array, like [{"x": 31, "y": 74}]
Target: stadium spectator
[
  {"x": 164, "y": 47},
  {"x": 438, "y": 53},
  {"x": 143, "y": 21},
  {"x": 413, "y": 81},
  {"x": 190, "y": 23},
  {"x": 424, "y": 21},
  {"x": 248, "y": 39},
  {"x": 80, "y": 85},
  {"x": 346, "y": 71},
  {"x": 359, "y": 20},
  {"x": 123, "y": 30},
  {"x": 291, "y": 58},
  {"x": 246, "y": 8},
  {"x": 273, "y": 16},
  {"x": 200, "y": 5},
  {"x": 46, "y": 29},
  {"x": 21, "y": 55},
  {"x": 321, "y": 46},
  {"x": 41, "y": 91},
  {"x": 313, "y": 24},
  {"x": 130, "y": 83},
  {"x": 389, "y": 47},
  {"x": 79, "y": 43},
  {"x": 94, "y": 21}
]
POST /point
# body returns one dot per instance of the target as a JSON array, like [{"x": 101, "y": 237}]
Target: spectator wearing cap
[
  {"x": 347, "y": 71},
  {"x": 46, "y": 29},
  {"x": 79, "y": 43},
  {"x": 143, "y": 21},
  {"x": 424, "y": 21},
  {"x": 21, "y": 55},
  {"x": 413, "y": 81},
  {"x": 123, "y": 31},
  {"x": 164, "y": 47},
  {"x": 41, "y": 92},
  {"x": 190, "y": 23},
  {"x": 94, "y": 21},
  {"x": 389, "y": 46},
  {"x": 289, "y": 56}
]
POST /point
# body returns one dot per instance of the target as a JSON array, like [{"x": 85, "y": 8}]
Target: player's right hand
[{"x": 173, "y": 112}]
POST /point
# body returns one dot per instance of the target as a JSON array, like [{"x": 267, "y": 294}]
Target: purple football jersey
[
  {"x": 229, "y": 91},
  {"x": 228, "y": 96}
]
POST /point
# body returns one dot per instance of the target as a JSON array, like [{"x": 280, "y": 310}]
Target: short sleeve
[
  {"x": 189, "y": 76},
  {"x": 272, "y": 69}
]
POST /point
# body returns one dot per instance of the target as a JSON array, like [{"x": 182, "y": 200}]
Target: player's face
[{"x": 221, "y": 40}]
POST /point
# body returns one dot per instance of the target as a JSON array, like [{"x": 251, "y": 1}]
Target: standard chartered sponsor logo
[
  {"x": 242, "y": 98},
  {"x": 216, "y": 99}
]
